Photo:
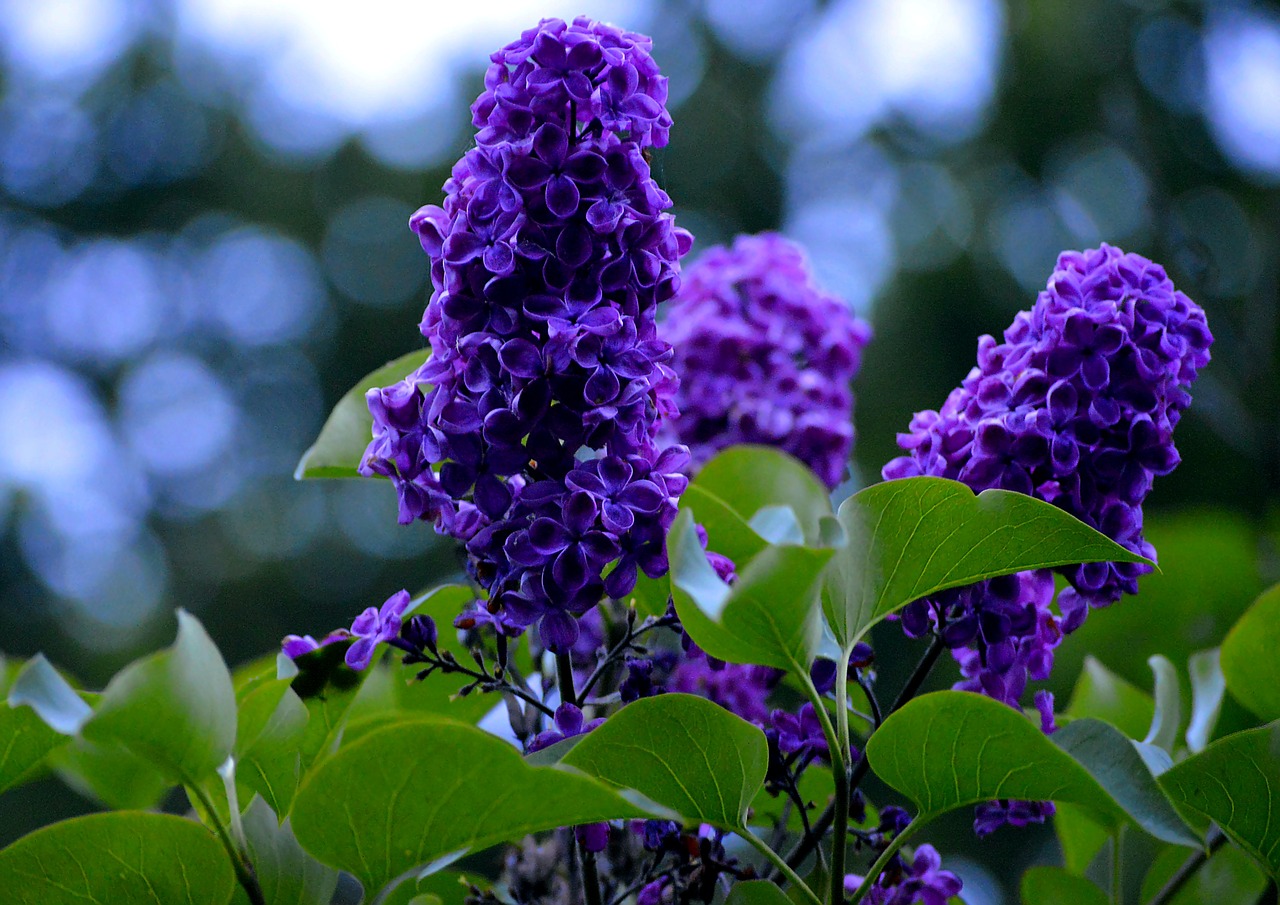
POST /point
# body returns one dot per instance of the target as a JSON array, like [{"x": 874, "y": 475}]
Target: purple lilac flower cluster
[
  {"x": 529, "y": 434},
  {"x": 1076, "y": 406},
  {"x": 922, "y": 881},
  {"x": 764, "y": 355}
]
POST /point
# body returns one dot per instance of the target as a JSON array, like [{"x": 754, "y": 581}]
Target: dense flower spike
[
  {"x": 764, "y": 356},
  {"x": 530, "y": 432},
  {"x": 1076, "y": 406}
]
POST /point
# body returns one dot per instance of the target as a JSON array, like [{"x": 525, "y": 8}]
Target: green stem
[
  {"x": 809, "y": 841},
  {"x": 1216, "y": 839},
  {"x": 239, "y": 859},
  {"x": 840, "y": 774},
  {"x": 840, "y": 768},
  {"x": 564, "y": 673},
  {"x": 590, "y": 876},
  {"x": 883, "y": 861},
  {"x": 777, "y": 861}
]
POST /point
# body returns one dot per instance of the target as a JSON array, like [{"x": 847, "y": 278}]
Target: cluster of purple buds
[
  {"x": 1076, "y": 406},
  {"x": 764, "y": 355},
  {"x": 529, "y": 434},
  {"x": 569, "y": 723},
  {"x": 921, "y": 881},
  {"x": 700, "y": 861}
]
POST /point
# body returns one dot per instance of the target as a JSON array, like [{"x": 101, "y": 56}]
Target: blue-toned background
[{"x": 203, "y": 243}]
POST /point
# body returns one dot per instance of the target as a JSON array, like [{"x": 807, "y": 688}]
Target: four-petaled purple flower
[{"x": 375, "y": 626}]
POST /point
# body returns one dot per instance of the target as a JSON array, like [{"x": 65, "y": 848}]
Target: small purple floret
[{"x": 376, "y": 626}]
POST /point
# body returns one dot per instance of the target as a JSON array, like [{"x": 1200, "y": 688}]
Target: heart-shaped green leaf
[
  {"x": 26, "y": 738},
  {"x": 1103, "y": 695},
  {"x": 111, "y": 774},
  {"x": 271, "y": 727},
  {"x": 769, "y": 616},
  {"x": 1054, "y": 886},
  {"x": 424, "y": 790},
  {"x": 1249, "y": 660},
  {"x": 681, "y": 751},
  {"x": 1229, "y": 876},
  {"x": 913, "y": 537},
  {"x": 175, "y": 709},
  {"x": 349, "y": 428},
  {"x": 950, "y": 749},
  {"x": 122, "y": 856},
  {"x": 287, "y": 874},
  {"x": 750, "y": 478},
  {"x": 757, "y": 892},
  {"x": 1235, "y": 782}
]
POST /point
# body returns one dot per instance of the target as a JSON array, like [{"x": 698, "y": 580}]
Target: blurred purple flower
[{"x": 764, "y": 356}]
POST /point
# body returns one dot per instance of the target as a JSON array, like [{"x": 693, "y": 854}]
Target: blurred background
[{"x": 203, "y": 244}]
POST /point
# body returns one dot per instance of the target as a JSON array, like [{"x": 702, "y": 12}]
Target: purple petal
[
  {"x": 548, "y": 536},
  {"x": 360, "y": 654},
  {"x": 562, "y": 196}
]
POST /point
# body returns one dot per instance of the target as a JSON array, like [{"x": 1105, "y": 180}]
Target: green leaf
[
  {"x": 42, "y": 688},
  {"x": 950, "y": 749},
  {"x": 769, "y": 616},
  {"x": 272, "y": 724},
  {"x": 1167, "y": 718},
  {"x": 913, "y": 537},
  {"x": 287, "y": 874},
  {"x": 328, "y": 688},
  {"x": 1249, "y": 660},
  {"x": 757, "y": 892},
  {"x": 728, "y": 533},
  {"x": 816, "y": 787},
  {"x": 349, "y": 428},
  {"x": 425, "y": 790},
  {"x": 25, "y": 738},
  {"x": 1208, "y": 686},
  {"x": 684, "y": 753},
  {"x": 110, "y": 773},
  {"x": 751, "y": 478},
  {"x": 175, "y": 708},
  {"x": 650, "y": 595},
  {"x": 1054, "y": 886},
  {"x": 1208, "y": 577},
  {"x": 120, "y": 857},
  {"x": 1080, "y": 836},
  {"x": 1234, "y": 782},
  {"x": 1229, "y": 876},
  {"x": 1103, "y": 695}
]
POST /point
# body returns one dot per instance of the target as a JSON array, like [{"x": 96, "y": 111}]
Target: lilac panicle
[
  {"x": 1076, "y": 406},
  {"x": 529, "y": 434},
  {"x": 764, "y": 355}
]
